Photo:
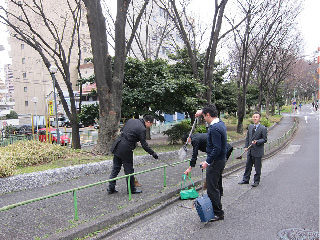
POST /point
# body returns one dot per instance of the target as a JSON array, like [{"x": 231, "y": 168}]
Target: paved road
[
  {"x": 288, "y": 197},
  {"x": 52, "y": 216}
]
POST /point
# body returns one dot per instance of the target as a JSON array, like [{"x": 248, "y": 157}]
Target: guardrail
[
  {"x": 270, "y": 146},
  {"x": 5, "y": 141}
]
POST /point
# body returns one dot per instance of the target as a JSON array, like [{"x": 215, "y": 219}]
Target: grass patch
[
  {"x": 287, "y": 109},
  {"x": 165, "y": 147}
]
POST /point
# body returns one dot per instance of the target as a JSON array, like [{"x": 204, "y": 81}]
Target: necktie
[{"x": 254, "y": 129}]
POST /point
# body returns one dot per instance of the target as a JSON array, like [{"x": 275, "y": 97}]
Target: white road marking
[{"x": 292, "y": 149}]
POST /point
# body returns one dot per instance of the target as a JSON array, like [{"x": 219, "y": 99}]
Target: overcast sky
[{"x": 309, "y": 25}]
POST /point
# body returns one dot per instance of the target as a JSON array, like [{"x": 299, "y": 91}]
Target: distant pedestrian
[
  {"x": 133, "y": 131},
  {"x": 216, "y": 157},
  {"x": 254, "y": 145},
  {"x": 300, "y": 105}
]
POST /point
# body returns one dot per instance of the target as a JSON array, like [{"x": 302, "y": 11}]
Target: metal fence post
[
  {"x": 75, "y": 205},
  {"x": 164, "y": 177},
  {"x": 129, "y": 188}
]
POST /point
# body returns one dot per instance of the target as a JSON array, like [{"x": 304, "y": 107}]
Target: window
[
  {"x": 23, "y": 60},
  {"x": 26, "y": 103},
  {"x": 24, "y": 75},
  {"x": 154, "y": 37},
  {"x": 25, "y": 89},
  {"x": 164, "y": 50},
  {"x": 22, "y": 46}
]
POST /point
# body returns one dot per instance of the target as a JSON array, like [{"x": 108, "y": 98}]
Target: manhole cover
[{"x": 298, "y": 234}]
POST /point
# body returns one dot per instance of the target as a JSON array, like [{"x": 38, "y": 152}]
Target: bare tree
[
  {"x": 109, "y": 81},
  {"x": 277, "y": 62},
  {"x": 56, "y": 46},
  {"x": 263, "y": 24},
  {"x": 186, "y": 28}
]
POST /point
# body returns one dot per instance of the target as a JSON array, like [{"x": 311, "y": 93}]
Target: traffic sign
[{"x": 50, "y": 107}]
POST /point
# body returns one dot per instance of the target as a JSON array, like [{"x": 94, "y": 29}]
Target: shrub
[
  {"x": 6, "y": 167},
  {"x": 28, "y": 153},
  {"x": 9, "y": 129},
  {"x": 89, "y": 113},
  {"x": 265, "y": 122},
  {"x": 200, "y": 129},
  {"x": 177, "y": 132}
]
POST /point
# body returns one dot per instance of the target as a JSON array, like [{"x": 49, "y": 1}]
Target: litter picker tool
[
  {"x": 240, "y": 157},
  {"x": 183, "y": 151}
]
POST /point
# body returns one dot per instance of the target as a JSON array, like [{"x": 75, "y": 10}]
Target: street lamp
[
  {"x": 35, "y": 100},
  {"x": 53, "y": 70}
]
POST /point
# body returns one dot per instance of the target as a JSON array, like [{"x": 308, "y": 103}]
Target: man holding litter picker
[
  {"x": 216, "y": 157},
  {"x": 254, "y": 146},
  {"x": 199, "y": 142}
]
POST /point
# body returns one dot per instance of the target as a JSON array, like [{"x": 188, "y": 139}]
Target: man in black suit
[
  {"x": 254, "y": 144},
  {"x": 133, "y": 131},
  {"x": 198, "y": 142}
]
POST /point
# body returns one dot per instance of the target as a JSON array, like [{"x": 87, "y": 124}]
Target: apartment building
[
  {"x": 31, "y": 79},
  {"x": 156, "y": 36}
]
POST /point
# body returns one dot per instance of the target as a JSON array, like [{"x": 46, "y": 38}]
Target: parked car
[
  {"x": 64, "y": 138},
  {"x": 25, "y": 129},
  {"x": 67, "y": 123},
  {"x": 61, "y": 122}
]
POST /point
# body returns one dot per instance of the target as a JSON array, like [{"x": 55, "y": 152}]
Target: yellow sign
[{"x": 50, "y": 107}]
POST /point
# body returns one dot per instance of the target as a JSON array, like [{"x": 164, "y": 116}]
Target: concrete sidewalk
[{"x": 53, "y": 218}]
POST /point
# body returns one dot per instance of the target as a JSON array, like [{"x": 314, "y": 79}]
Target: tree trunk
[
  {"x": 109, "y": 89},
  {"x": 212, "y": 49},
  {"x": 267, "y": 104},
  {"x": 241, "y": 111},
  {"x": 258, "y": 107}
]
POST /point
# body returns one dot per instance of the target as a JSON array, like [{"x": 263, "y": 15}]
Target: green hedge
[{"x": 177, "y": 132}]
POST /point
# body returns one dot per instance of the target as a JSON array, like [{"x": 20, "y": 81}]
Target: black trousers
[
  {"x": 256, "y": 161},
  {"x": 213, "y": 176},
  {"x": 128, "y": 169}
]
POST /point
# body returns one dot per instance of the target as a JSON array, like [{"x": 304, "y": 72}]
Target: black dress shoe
[
  {"x": 111, "y": 190},
  {"x": 243, "y": 182},
  {"x": 256, "y": 184},
  {"x": 136, "y": 191},
  {"x": 216, "y": 218}
]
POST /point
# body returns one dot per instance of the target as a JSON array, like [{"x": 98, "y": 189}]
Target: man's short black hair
[
  {"x": 211, "y": 109},
  {"x": 185, "y": 137},
  {"x": 257, "y": 113},
  {"x": 148, "y": 118}
]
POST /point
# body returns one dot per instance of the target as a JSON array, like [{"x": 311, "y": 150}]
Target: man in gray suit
[{"x": 254, "y": 145}]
